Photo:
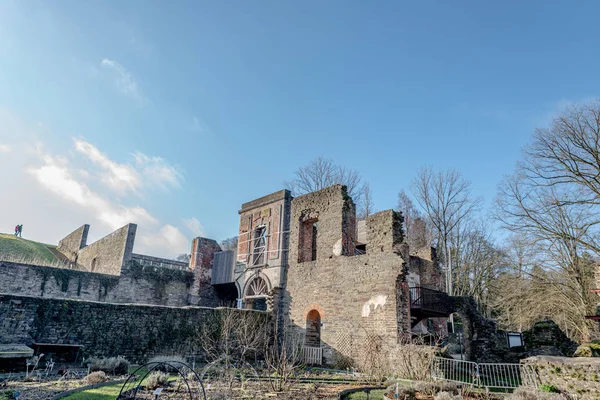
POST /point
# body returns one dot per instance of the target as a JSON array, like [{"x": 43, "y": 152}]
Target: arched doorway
[
  {"x": 256, "y": 294},
  {"x": 313, "y": 329}
]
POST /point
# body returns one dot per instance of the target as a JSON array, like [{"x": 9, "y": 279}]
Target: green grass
[
  {"x": 375, "y": 394},
  {"x": 14, "y": 248},
  {"x": 103, "y": 393}
]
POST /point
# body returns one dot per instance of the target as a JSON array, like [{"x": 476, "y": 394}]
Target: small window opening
[
  {"x": 308, "y": 241},
  {"x": 259, "y": 245},
  {"x": 93, "y": 264}
]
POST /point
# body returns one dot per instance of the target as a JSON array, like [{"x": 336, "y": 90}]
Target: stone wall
[
  {"x": 576, "y": 376},
  {"x": 137, "y": 332},
  {"x": 70, "y": 245},
  {"x": 136, "y": 285},
  {"x": 109, "y": 254},
  {"x": 201, "y": 264},
  {"x": 150, "y": 261},
  {"x": 359, "y": 298}
]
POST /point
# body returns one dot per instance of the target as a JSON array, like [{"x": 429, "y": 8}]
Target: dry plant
[
  {"x": 412, "y": 360},
  {"x": 284, "y": 357},
  {"x": 38, "y": 261},
  {"x": 231, "y": 339}
]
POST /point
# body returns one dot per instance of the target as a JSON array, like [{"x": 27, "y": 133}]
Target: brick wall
[
  {"x": 134, "y": 331},
  {"x": 144, "y": 285}
]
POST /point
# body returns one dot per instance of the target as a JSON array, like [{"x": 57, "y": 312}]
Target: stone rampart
[
  {"x": 137, "y": 332},
  {"x": 137, "y": 284}
]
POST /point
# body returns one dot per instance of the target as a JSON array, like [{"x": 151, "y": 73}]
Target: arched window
[
  {"x": 313, "y": 329},
  {"x": 257, "y": 287},
  {"x": 256, "y": 294}
]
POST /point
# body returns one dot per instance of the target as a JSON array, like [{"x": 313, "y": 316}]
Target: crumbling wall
[
  {"x": 109, "y": 254},
  {"x": 70, "y": 245},
  {"x": 203, "y": 253},
  {"x": 579, "y": 377},
  {"x": 138, "y": 284},
  {"x": 137, "y": 332},
  {"x": 357, "y": 296}
]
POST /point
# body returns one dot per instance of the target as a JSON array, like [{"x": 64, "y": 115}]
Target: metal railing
[
  {"x": 489, "y": 375},
  {"x": 430, "y": 300},
  {"x": 313, "y": 355}
]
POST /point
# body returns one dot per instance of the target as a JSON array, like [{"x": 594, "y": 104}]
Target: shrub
[
  {"x": 156, "y": 380},
  {"x": 549, "y": 388},
  {"x": 526, "y": 393},
  {"x": 175, "y": 360},
  {"x": 95, "y": 377},
  {"x": 113, "y": 365},
  {"x": 447, "y": 396},
  {"x": 405, "y": 392},
  {"x": 433, "y": 388}
]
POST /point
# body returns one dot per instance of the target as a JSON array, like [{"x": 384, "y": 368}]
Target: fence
[
  {"x": 313, "y": 355},
  {"x": 493, "y": 376}
]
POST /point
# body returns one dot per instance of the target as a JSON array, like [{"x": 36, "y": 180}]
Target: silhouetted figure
[
  {"x": 16, "y": 230},
  {"x": 20, "y": 230}
]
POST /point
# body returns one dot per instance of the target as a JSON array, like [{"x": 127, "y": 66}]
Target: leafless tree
[
  {"x": 323, "y": 172},
  {"x": 231, "y": 339},
  {"x": 446, "y": 199},
  {"x": 229, "y": 243},
  {"x": 367, "y": 207},
  {"x": 284, "y": 357},
  {"x": 553, "y": 200},
  {"x": 417, "y": 230}
]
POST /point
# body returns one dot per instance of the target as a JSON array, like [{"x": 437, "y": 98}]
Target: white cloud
[
  {"x": 125, "y": 82},
  {"x": 53, "y": 193},
  {"x": 168, "y": 237},
  {"x": 194, "y": 226},
  {"x": 119, "y": 177},
  {"x": 56, "y": 176},
  {"x": 148, "y": 173},
  {"x": 157, "y": 171},
  {"x": 4, "y": 148}
]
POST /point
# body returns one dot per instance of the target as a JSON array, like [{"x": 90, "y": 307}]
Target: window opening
[
  {"x": 308, "y": 241},
  {"x": 259, "y": 245}
]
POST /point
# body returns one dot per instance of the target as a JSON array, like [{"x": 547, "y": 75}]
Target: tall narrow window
[
  {"x": 259, "y": 245},
  {"x": 307, "y": 250}
]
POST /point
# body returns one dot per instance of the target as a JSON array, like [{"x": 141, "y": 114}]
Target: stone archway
[{"x": 313, "y": 329}]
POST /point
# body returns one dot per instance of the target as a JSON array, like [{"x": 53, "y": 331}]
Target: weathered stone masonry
[
  {"x": 355, "y": 295},
  {"x": 138, "y": 285},
  {"x": 134, "y": 331}
]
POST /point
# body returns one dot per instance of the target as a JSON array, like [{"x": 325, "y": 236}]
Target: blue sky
[{"x": 172, "y": 114}]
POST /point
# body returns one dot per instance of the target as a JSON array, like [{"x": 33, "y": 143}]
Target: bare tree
[
  {"x": 418, "y": 231},
  {"x": 323, "y": 172},
  {"x": 367, "y": 207},
  {"x": 229, "y": 243},
  {"x": 553, "y": 200},
  {"x": 446, "y": 199}
]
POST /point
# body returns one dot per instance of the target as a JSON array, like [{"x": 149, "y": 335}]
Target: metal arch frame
[{"x": 156, "y": 366}]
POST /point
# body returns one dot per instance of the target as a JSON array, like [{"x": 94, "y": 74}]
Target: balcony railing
[{"x": 429, "y": 301}]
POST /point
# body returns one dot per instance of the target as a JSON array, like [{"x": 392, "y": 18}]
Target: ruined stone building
[{"x": 307, "y": 260}]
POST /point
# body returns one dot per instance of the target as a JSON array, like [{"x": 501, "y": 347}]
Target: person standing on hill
[
  {"x": 20, "y": 229},
  {"x": 16, "y": 230}
]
